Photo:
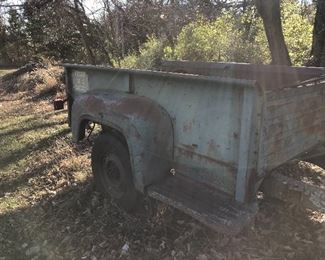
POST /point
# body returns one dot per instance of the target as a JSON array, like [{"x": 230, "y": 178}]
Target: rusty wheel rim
[{"x": 113, "y": 172}]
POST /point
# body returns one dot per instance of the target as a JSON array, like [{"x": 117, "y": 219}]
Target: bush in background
[
  {"x": 149, "y": 57},
  {"x": 220, "y": 40},
  {"x": 230, "y": 38}
]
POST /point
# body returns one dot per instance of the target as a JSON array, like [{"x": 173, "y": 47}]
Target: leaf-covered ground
[{"x": 49, "y": 210}]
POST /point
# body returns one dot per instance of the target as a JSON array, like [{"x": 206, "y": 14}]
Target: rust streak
[
  {"x": 200, "y": 157},
  {"x": 137, "y": 106},
  {"x": 187, "y": 126},
  {"x": 94, "y": 104},
  {"x": 212, "y": 147}
]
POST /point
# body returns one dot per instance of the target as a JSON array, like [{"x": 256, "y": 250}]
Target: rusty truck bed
[
  {"x": 218, "y": 127},
  {"x": 293, "y": 120}
]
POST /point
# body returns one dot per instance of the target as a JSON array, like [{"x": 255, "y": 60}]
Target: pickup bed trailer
[{"x": 198, "y": 136}]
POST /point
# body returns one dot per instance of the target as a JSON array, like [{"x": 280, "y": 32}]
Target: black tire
[{"x": 111, "y": 167}]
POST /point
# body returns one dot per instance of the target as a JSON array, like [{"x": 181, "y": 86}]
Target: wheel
[{"x": 111, "y": 167}]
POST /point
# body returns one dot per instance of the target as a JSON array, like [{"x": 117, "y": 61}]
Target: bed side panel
[
  {"x": 207, "y": 120},
  {"x": 294, "y": 122}
]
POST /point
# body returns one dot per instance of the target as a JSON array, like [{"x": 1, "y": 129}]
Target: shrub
[
  {"x": 230, "y": 38},
  {"x": 149, "y": 57},
  {"x": 219, "y": 40}
]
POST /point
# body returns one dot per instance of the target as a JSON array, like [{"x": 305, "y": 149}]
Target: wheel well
[
  {"x": 117, "y": 134},
  {"x": 105, "y": 129},
  {"x": 82, "y": 129}
]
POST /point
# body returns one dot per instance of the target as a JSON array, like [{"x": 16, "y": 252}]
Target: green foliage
[
  {"x": 219, "y": 40},
  {"x": 221, "y": 33},
  {"x": 298, "y": 31},
  {"x": 233, "y": 36},
  {"x": 230, "y": 38},
  {"x": 150, "y": 55},
  {"x": 242, "y": 38}
]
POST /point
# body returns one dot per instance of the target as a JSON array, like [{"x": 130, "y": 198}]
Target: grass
[
  {"x": 23, "y": 138},
  {"x": 35, "y": 148},
  {"x": 49, "y": 209}
]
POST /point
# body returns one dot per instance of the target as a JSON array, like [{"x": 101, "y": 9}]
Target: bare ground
[{"x": 49, "y": 209}]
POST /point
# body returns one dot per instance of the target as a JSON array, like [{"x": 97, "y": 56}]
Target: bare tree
[{"x": 77, "y": 12}]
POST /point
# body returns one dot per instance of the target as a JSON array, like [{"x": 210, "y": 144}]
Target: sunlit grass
[{"x": 23, "y": 138}]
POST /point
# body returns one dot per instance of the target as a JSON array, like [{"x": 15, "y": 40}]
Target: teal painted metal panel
[
  {"x": 205, "y": 113},
  {"x": 226, "y": 132},
  {"x": 206, "y": 119}
]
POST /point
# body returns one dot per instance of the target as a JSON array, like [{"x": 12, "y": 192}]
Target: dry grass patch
[{"x": 38, "y": 78}]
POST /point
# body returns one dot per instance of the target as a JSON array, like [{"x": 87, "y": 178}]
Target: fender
[{"x": 146, "y": 126}]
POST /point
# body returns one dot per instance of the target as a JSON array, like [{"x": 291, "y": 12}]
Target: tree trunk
[
  {"x": 269, "y": 10},
  {"x": 318, "y": 48}
]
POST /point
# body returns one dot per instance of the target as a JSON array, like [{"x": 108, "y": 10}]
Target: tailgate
[{"x": 293, "y": 123}]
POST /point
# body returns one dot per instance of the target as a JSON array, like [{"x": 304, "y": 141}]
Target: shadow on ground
[{"x": 78, "y": 223}]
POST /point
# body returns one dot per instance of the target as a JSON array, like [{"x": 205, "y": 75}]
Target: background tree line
[{"x": 140, "y": 33}]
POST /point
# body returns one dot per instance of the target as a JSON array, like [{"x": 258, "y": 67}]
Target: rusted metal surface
[
  {"x": 215, "y": 209},
  {"x": 188, "y": 152},
  {"x": 269, "y": 77},
  {"x": 112, "y": 76},
  {"x": 207, "y": 146},
  {"x": 293, "y": 122},
  {"x": 207, "y": 125},
  {"x": 224, "y": 127},
  {"x": 218, "y": 132},
  {"x": 145, "y": 125}
]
